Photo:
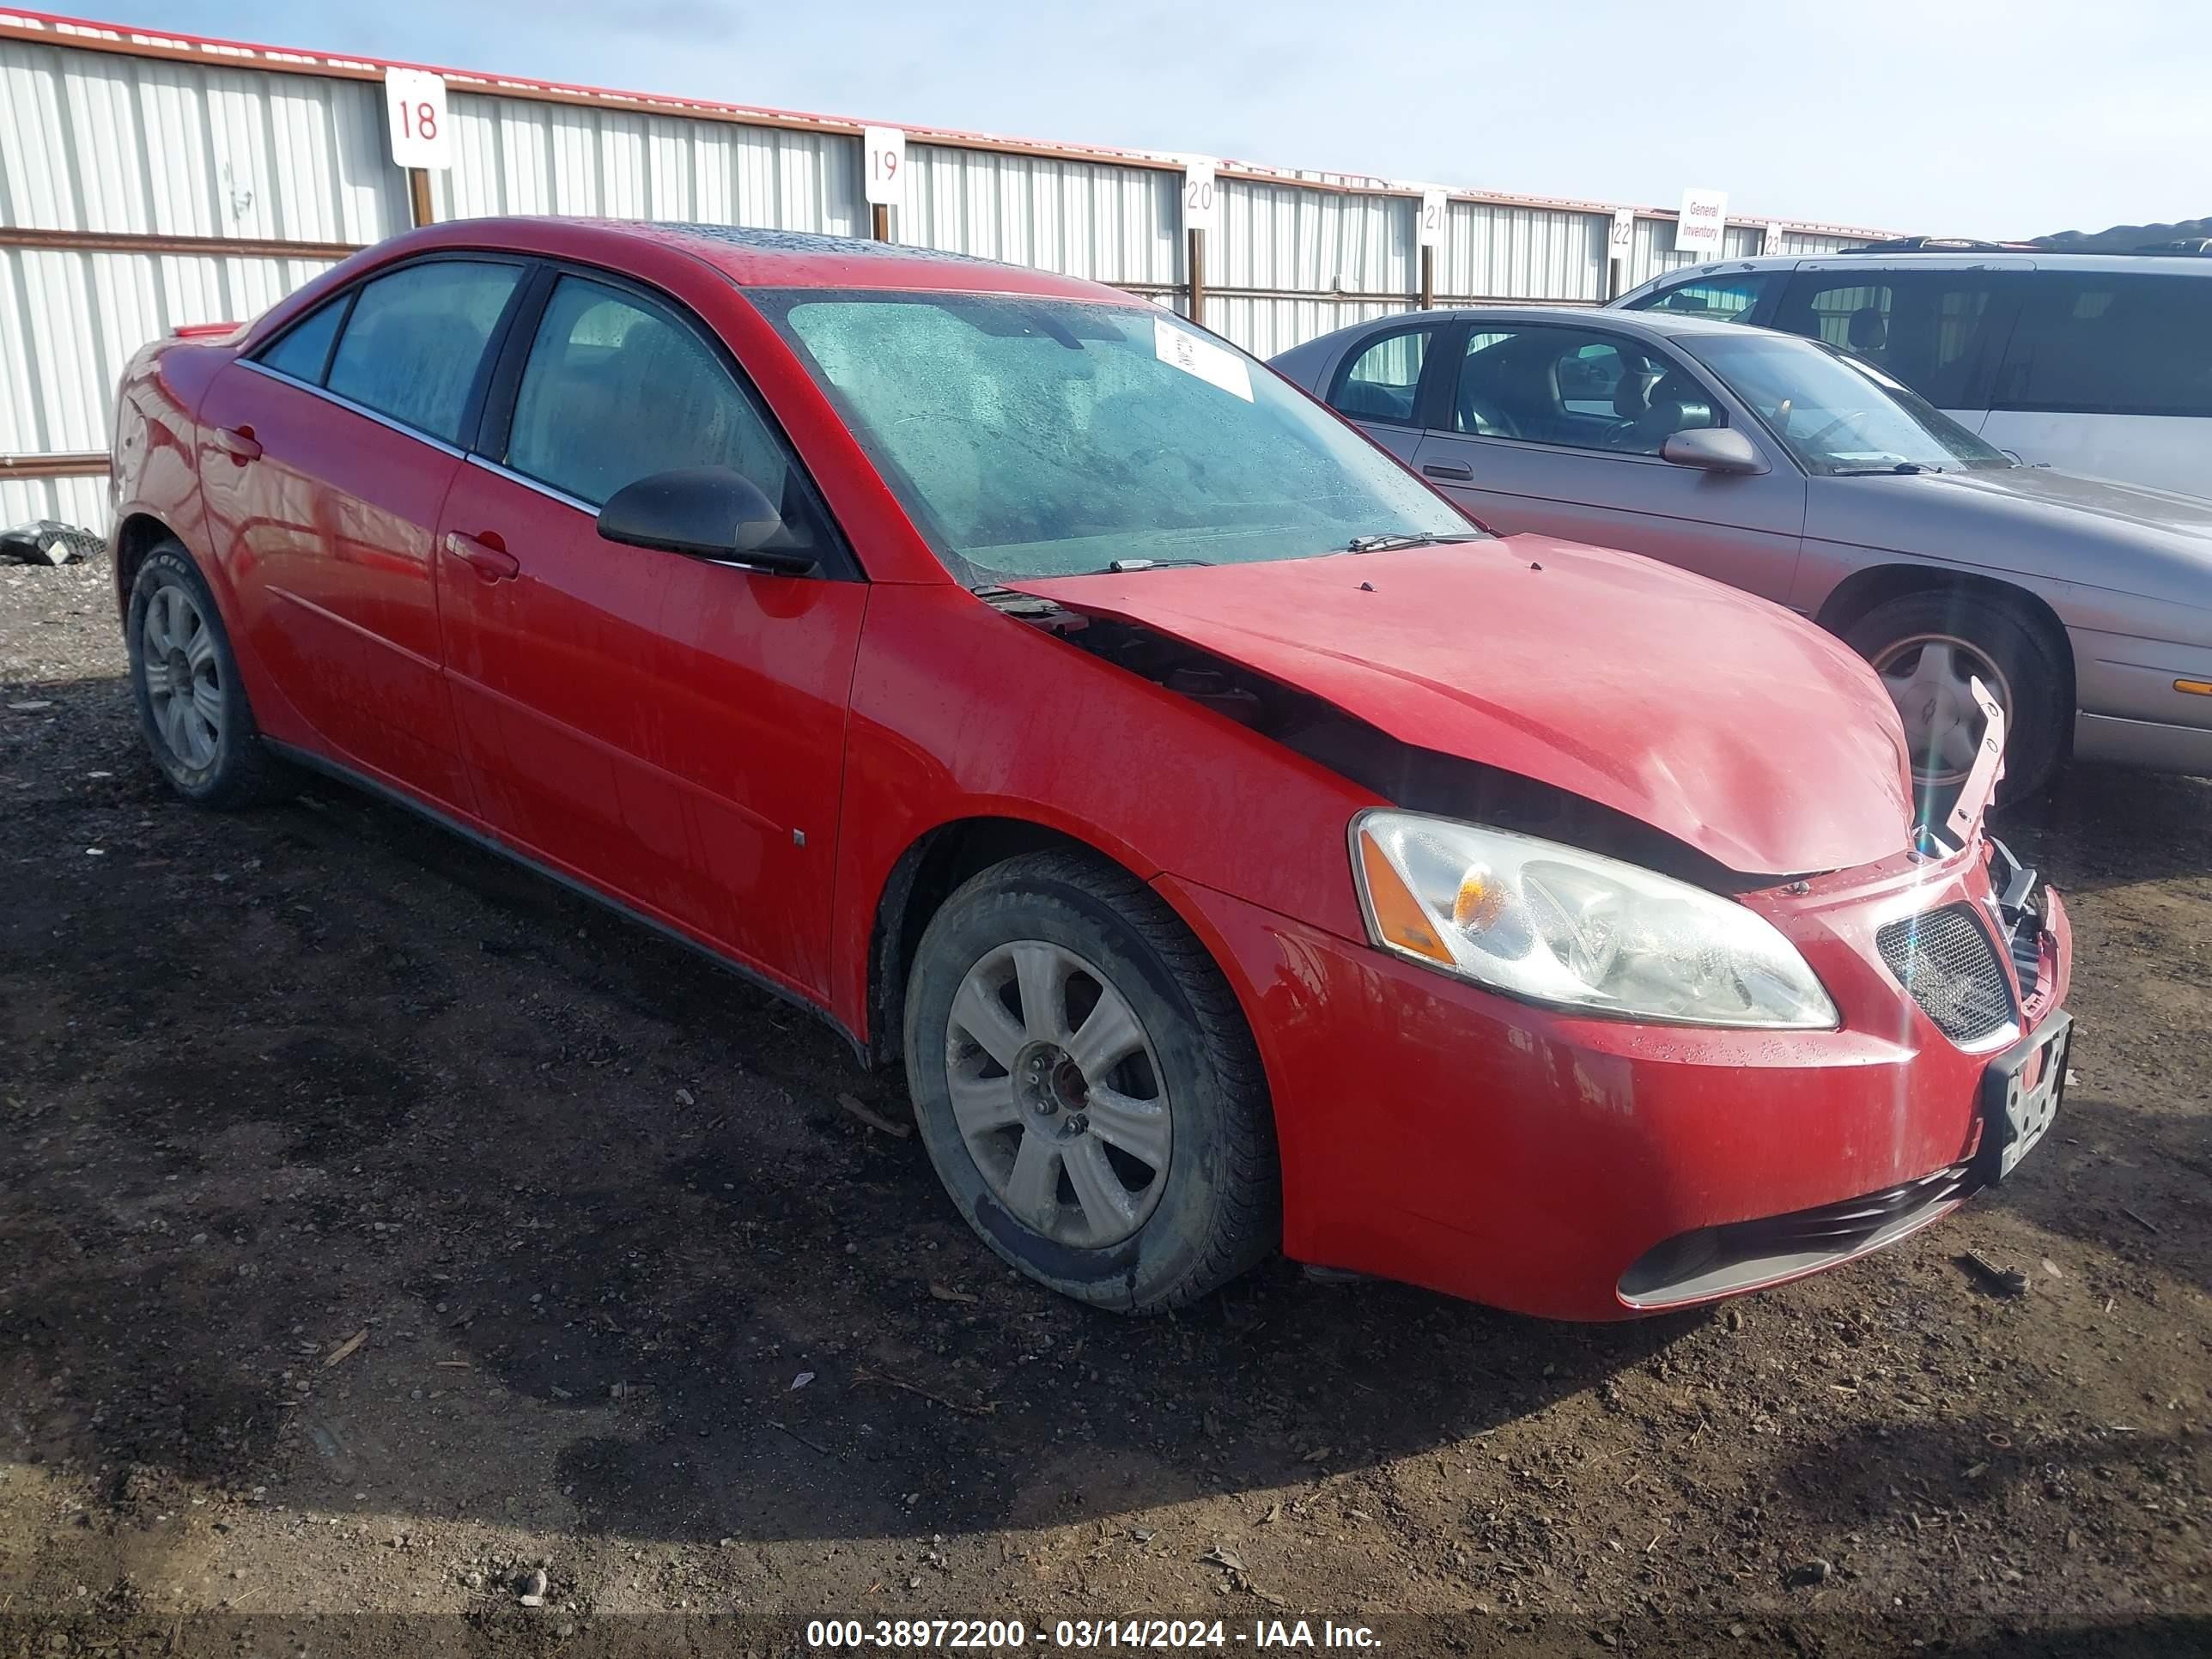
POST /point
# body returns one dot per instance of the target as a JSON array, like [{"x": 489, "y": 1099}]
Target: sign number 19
[{"x": 883, "y": 175}]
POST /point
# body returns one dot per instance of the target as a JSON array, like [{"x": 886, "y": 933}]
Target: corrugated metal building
[{"x": 149, "y": 180}]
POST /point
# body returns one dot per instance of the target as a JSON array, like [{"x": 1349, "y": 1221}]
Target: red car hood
[{"x": 1713, "y": 716}]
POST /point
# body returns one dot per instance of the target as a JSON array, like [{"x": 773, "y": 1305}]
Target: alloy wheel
[
  {"x": 184, "y": 680},
  {"x": 1059, "y": 1095},
  {"x": 1927, "y": 676}
]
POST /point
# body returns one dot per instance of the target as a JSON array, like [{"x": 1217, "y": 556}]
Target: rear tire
[
  {"x": 1113, "y": 1138},
  {"x": 1923, "y": 645},
  {"x": 192, "y": 702}
]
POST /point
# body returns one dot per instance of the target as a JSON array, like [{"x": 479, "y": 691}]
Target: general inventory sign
[{"x": 1704, "y": 216}]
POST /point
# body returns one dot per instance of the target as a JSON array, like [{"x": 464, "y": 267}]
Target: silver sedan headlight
[{"x": 1555, "y": 925}]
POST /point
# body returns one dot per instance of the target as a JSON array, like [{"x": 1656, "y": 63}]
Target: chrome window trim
[
  {"x": 348, "y": 403},
  {"x": 529, "y": 483}
]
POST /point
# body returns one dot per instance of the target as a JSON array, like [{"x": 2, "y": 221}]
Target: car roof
[
  {"x": 2034, "y": 259},
  {"x": 769, "y": 258},
  {"x": 1645, "y": 322}
]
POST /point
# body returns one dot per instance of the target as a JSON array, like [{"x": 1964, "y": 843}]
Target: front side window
[
  {"x": 416, "y": 338},
  {"x": 1034, "y": 437},
  {"x": 617, "y": 387},
  {"x": 1576, "y": 388},
  {"x": 1380, "y": 381},
  {"x": 1836, "y": 414},
  {"x": 1725, "y": 299},
  {"x": 2111, "y": 344}
]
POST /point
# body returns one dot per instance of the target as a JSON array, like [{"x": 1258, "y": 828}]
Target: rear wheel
[
  {"x": 1928, "y": 647},
  {"x": 1086, "y": 1088},
  {"x": 191, "y": 704}
]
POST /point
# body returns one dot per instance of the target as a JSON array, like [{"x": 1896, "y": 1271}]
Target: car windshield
[
  {"x": 1838, "y": 415},
  {"x": 1041, "y": 437}
]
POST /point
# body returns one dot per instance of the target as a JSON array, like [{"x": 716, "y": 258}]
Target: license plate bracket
[{"x": 2020, "y": 1094}]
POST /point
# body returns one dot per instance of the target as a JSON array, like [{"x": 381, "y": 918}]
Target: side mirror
[
  {"x": 705, "y": 512},
  {"x": 1713, "y": 449}
]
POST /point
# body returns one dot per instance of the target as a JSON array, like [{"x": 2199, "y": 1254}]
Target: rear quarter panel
[{"x": 153, "y": 462}]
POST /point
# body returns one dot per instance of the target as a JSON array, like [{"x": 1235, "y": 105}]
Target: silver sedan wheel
[
  {"x": 1059, "y": 1095},
  {"x": 184, "y": 683},
  {"x": 1927, "y": 675}
]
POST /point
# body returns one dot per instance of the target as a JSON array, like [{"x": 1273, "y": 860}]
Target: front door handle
[
  {"x": 238, "y": 443},
  {"x": 485, "y": 555},
  {"x": 1447, "y": 470}
]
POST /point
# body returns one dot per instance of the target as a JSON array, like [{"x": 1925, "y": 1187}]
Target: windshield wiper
[
  {"x": 1119, "y": 567},
  {"x": 1877, "y": 471},
  {"x": 1385, "y": 543}
]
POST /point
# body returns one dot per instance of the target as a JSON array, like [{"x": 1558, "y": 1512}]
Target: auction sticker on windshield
[{"x": 1215, "y": 365}]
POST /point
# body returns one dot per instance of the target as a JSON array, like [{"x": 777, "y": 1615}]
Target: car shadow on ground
[
  {"x": 2098, "y": 827},
  {"x": 621, "y": 1259}
]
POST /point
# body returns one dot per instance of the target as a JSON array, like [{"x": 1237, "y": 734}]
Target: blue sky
[{"x": 1998, "y": 117}]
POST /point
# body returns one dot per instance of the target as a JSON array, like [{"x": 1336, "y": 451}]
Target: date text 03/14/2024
[{"x": 993, "y": 1635}]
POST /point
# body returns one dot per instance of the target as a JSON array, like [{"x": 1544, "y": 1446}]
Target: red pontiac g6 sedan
[{"x": 1241, "y": 848}]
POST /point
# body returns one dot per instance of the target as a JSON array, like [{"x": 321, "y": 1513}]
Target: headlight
[{"x": 1556, "y": 925}]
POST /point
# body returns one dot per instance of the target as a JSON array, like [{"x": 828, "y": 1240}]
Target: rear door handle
[
  {"x": 1447, "y": 470},
  {"x": 485, "y": 555},
  {"x": 238, "y": 443}
]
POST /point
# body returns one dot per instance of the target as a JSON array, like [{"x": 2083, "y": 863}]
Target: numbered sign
[
  {"x": 1774, "y": 235},
  {"x": 1433, "y": 210},
  {"x": 1201, "y": 201},
  {"x": 414, "y": 107},
  {"x": 884, "y": 158},
  {"x": 1620, "y": 241},
  {"x": 1704, "y": 216}
]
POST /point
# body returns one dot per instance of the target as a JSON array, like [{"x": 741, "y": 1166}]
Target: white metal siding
[
  {"x": 1491, "y": 251},
  {"x": 82, "y": 501},
  {"x": 1108, "y": 224},
  {"x": 70, "y": 320},
  {"x": 91, "y": 141},
  {"x": 1266, "y": 327},
  {"x": 521, "y": 156},
  {"x": 1317, "y": 241}
]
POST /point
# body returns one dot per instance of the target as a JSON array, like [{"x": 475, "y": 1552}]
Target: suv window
[
  {"x": 411, "y": 347},
  {"x": 1574, "y": 386},
  {"x": 2111, "y": 344},
  {"x": 1926, "y": 328},
  {"x": 616, "y": 388},
  {"x": 1379, "y": 381},
  {"x": 303, "y": 351},
  {"x": 1725, "y": 299}
]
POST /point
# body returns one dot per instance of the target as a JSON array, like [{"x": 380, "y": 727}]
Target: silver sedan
[{"x": 1779, "y": 465}]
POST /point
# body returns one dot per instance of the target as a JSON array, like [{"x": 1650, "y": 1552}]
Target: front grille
[
  {"x": 1945, "y": 959},
  {"x": 1745, "y": 1255}
]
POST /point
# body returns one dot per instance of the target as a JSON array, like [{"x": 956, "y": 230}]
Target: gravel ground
[{"x": 379, "y": 1225}]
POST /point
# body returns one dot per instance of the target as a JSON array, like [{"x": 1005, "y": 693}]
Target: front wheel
[
  {"x": 1086, "y": 1087},
  {"x": 1928, "y": 647}
]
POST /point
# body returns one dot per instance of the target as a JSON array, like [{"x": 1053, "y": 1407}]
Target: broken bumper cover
[{"x": 1435, "y": 1132}]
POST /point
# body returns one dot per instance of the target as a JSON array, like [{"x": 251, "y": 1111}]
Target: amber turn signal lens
[
  {"x": 1398, "y": 915},
  {"x": 2195, "y": 688}
]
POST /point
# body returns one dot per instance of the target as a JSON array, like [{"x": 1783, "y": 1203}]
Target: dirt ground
[{"x": 380, "y": 1225}]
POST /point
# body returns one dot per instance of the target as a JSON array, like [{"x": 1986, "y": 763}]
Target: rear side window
[
  {"x": 304, "y": 351},
  {"x": 1928, "y": 329},
  {"x": 413, "y": 345},
  {"x": 1725, "y": 299},
  {"x": 2108, "y": 344},
  {"x": 1382, "y": 380},
  {"x": 617, "y": 387}
]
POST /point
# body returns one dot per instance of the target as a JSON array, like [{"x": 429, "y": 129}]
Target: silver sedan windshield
[{"x": 1836, "y": 415}]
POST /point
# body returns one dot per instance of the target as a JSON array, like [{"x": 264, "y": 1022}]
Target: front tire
[
  {"x": 1925, "y": 646},
  {"x": 184, "y": 680},
  {"x": 1086, "y": 1086}
]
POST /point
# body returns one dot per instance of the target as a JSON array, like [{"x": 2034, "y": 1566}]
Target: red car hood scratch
[{"x": 1717, "y": 717}]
